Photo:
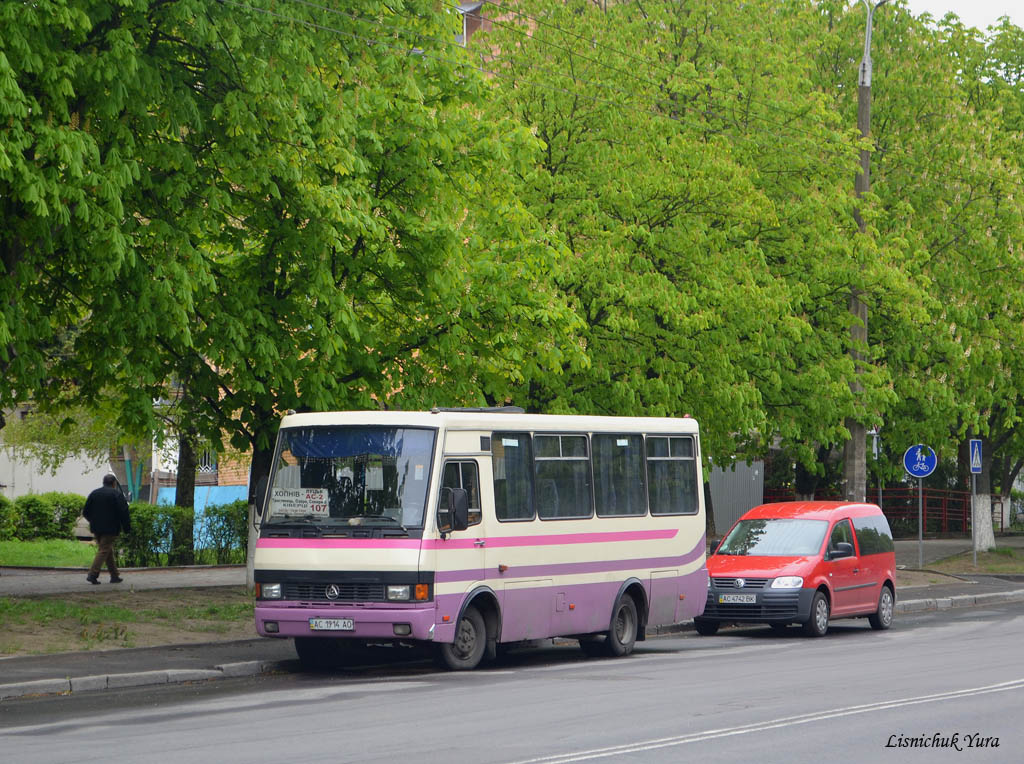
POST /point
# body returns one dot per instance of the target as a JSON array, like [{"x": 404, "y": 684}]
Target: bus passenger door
[{"x": 461, "y": 563}]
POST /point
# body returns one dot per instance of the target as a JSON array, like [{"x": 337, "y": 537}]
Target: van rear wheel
[{"x": 881, "y": 619}]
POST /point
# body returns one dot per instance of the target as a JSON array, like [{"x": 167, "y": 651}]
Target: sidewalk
[{"x": 127, "y": 667}]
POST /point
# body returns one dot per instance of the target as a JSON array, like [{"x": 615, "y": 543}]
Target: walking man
[{"x": 107, "y": 512}]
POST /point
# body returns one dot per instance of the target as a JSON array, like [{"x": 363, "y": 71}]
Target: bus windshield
[
  {"x": 775, "y": 538},
  {"x": 351, "y": 476}
]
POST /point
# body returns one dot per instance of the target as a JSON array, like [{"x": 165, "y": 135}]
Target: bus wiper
[
  {"x": 292, "y": 521},
  {"x": 395, "y": 520}
]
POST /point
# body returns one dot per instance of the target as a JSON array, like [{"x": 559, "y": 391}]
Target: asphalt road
[{"x": 745, "y": 695}]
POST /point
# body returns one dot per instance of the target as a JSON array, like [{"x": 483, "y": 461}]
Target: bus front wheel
[{"x": 470, "y": 642}]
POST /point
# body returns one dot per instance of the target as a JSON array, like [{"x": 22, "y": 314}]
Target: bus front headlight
[
  {"x": 268, "y": 591},
  {"x": 398, "y": 593}
]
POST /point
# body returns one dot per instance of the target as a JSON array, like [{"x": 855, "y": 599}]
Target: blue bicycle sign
[{"x": 920, "y": 461}]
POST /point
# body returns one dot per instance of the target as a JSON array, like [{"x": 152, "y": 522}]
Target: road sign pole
[
  {"x": 920, "y": 461},
  {"x": 974, "y": 499},
  {"x": 920, "y": 524}
]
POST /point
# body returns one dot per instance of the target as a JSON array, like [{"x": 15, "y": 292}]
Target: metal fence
[{"x": 945, "y": 512}]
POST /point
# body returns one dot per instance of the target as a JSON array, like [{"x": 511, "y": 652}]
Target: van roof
[{"x": 811, "y": 510}]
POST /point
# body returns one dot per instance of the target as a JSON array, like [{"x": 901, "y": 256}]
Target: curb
[
  {"x": 957, "y": 601},
  {"x": 253, "y": 668},
  {"x": 134, "y": 679}
]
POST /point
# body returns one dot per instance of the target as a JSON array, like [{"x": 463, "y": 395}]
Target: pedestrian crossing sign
[{"x": 975, "y": 455}]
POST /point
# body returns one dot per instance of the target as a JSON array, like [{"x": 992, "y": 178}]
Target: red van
[{"x": 803, "y": 562}]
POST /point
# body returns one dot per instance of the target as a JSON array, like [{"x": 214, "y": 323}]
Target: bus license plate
[
  {"x": 331, "y": 624},
  {"x": 737, "y": 599}
]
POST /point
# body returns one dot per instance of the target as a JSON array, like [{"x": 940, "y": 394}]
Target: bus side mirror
[{"x": 453, "y": 510}]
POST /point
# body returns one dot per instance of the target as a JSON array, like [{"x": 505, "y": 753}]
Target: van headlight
[
  {"x": 788, "y": 582},
  {"x": 398, "y": 593}
]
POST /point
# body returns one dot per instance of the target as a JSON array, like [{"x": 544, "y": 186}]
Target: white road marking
[{"x": 790, "y": 721}]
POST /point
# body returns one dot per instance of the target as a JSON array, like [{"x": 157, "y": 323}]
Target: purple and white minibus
[{"x": 474, "y": 528}]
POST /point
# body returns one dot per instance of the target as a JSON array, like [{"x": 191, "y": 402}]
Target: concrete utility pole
[{"x": 855, "y": 450}]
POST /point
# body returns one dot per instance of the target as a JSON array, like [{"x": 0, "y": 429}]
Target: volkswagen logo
[
  {"x": 332, "y": 591},
  {"x": 740, "y": 583}
]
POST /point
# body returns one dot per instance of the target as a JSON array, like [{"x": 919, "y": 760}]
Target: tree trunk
[
  {"x": 709, "y": 513},
  {"x": 981, "y": 516},
  {"x": 183, "y": 550},
  {"x": 259, "y": 468}
]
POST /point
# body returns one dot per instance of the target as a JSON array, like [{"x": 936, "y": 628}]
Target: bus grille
[{"x": 346, "y": 592}]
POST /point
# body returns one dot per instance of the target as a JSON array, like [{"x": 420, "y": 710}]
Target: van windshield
[
  {"x": 775, "y": 538},
  {"x": 351, "y": 476}
]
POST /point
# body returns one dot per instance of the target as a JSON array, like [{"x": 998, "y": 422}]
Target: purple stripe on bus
[
  {"x": 272, "y": 543},
  {"x": 493, "y": 542},
  {"x": 573, "y": 568}
]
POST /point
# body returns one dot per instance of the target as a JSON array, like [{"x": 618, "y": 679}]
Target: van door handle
[
  {"x": 480, "y": 542},
  {"x": 856, "y": 570}
]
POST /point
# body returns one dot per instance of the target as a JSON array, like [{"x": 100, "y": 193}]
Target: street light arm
[{"x": 865, "y": 63}]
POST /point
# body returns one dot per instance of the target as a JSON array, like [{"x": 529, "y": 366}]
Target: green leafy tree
[{"x": 279, "y": 206}]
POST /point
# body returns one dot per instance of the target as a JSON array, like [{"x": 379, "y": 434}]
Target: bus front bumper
[{"x": 294, "y": 619}]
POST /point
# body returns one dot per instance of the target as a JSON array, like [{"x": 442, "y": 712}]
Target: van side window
[
  {"x": 841, "y": 533},
  {"x": 464, "y": 475},
  {"x": 873, "y": 535}
]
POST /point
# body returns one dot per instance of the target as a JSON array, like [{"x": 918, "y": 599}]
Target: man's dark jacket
[{"x": 106, "y": 509}]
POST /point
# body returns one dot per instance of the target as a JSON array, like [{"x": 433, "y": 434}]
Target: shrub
[
  {"x": 147, "y": 543},
  {"x": 67, "y": 508},
  {"x": 7, "y": 519},
  {"x": 35, "y": 515},
  {"x": 224, "y": 532}
]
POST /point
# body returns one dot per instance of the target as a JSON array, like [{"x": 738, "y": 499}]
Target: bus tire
[
  {"x": 319, "y": 653},
  {"x": 622, "y": 633},
  {"x": 465, "y": 653}
]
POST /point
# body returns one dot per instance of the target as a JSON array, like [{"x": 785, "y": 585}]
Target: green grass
[
  {"x": 52, "y": 553},
  {"x": 58, "y": 553},
  {"x": 999, "y": 560}
]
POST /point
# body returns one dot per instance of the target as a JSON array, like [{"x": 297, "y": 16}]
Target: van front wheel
[{"x": 817, "y": 624}]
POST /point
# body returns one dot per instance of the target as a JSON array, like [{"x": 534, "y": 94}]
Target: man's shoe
[
  {"x": 92, "y": 579},
  {"x": 116, "y": 579}
]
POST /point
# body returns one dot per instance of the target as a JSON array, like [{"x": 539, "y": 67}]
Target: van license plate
[
  {"x": 331, "y": 624},
  {"x": 737, "y": 599}
]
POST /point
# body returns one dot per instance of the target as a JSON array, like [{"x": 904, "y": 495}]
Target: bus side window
[{"x": 464, "y": 475}]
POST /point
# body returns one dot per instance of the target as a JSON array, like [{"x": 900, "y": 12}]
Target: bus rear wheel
[
  {"x": 622, "y": 634},
  {"x": 470, "y": 642}
]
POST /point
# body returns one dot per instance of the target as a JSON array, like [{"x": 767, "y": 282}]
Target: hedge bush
[
  {"x": 224, "y": 532},
  {"x": 8, "y": 519},
  {"x": 160, "y": 534},
  {"x": 35, "y": 518},
  {"x": 67, "y": 508}
]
